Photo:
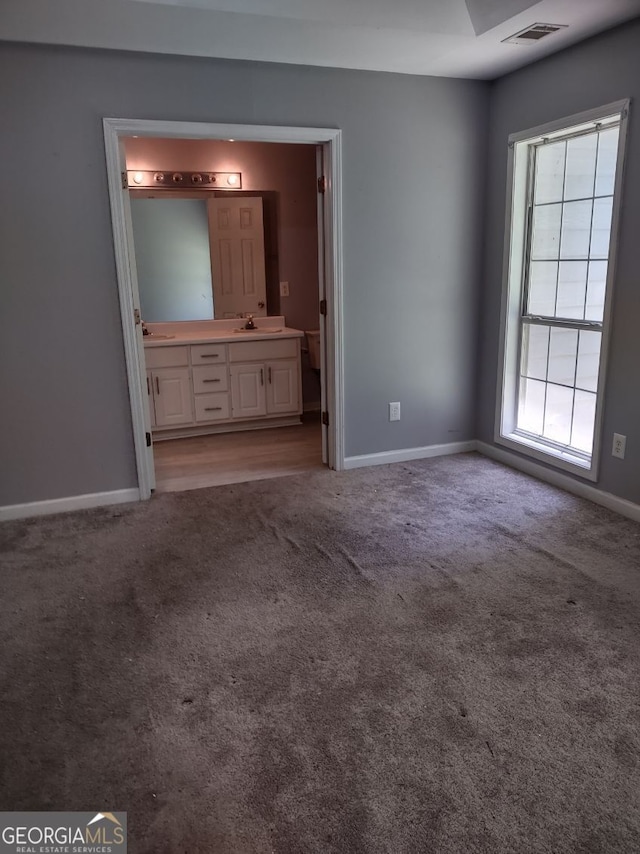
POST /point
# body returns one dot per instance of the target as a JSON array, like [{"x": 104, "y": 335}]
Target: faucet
[{"x": 250, "y": 324}]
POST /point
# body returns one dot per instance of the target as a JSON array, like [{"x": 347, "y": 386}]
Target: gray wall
[
  {"x": 413, "y": 161},
  {"x": 592, "y": 74}
]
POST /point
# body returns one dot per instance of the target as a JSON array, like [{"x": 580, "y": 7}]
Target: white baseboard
[
  {"x": 563, "y": 481},
  {"x": 65, "y": 505},
  {"x": 555, "y": 478},
  {"x": 407, "y": 454}
]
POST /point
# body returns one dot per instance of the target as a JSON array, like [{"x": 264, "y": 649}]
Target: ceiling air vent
[{"x": 534, "y": 33}]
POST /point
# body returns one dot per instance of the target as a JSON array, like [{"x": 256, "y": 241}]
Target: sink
[{"x": 260, "y": 330}]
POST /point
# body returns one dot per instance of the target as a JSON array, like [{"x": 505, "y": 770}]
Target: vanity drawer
[
  {"x": 256, "y": 351},
  {"x": 166, "y": 356},
  {"x": 210, "y": 378},
  {"x": 208, "y": 354},
  {"x": 212, "y": 407}
]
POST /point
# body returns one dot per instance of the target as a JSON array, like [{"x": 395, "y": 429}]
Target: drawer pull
[
  {"x": 212, "y": 408},
  {"x": 157, "y": 385},
  {"x": 212, "y": 381},
  {"x": 269, "y": 371},
  {"x": 261, "y": 376},
  {"x": 209, "y": 355}
]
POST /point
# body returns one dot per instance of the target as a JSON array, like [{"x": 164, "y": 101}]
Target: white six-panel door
[{"x": 236, "y": 241}]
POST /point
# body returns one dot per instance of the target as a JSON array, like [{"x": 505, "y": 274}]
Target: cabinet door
[
  {"x": 248, "y": 397},
  {"x": 172, "y": 397},
  {"x": 282, "y": 386},
  {"x": 152, "y": 411}
]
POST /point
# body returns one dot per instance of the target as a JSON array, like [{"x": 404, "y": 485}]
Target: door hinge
[
  {"x": 136, "y": 316},
  {"x": 125, "y": 181},
  {"x": 148, "y": 435},
  {"x": 322, "y": 184},
  {"x": 325, "y": 418},
  {"x": 323, "y": 307}
]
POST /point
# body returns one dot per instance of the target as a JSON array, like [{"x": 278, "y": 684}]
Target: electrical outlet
[
  {"x": 619, "y": 445},
  {"x": 394, "y": 411},
  {"x": 284, "y": 289}
]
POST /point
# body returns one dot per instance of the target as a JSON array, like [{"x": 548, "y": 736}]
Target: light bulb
[
  {"x": 138, "y": 177},
  {"x": 232, "y": 179}
]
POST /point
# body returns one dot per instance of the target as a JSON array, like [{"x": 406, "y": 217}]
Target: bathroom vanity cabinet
[{"x": 194, "y": 389}]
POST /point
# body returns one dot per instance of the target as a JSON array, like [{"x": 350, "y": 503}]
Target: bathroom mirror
[{"x": 205, "y": 257}]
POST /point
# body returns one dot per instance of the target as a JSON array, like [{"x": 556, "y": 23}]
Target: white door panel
[{"x": 236, "y": 238}]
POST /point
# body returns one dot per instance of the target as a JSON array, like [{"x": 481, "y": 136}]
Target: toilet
[{"x": 313, "y": 342}]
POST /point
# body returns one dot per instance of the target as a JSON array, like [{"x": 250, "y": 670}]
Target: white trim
[
  {"x": 213, "y": 130},
  {"x": 128, "y": 302},
  {"x": 66, "y": 505},
  {"x": 560, "y": 125},
  {"x": 513, "y": 261},
  {"x": 547, "y": 454},
  {"x": 331, "y": 140},
  {"x": 407, "y": 454},
  {"x": 322, "y": 319},
  {"x": 562, "y": 481},
  {"x": 612, "y": 267},
  {"x": 334, "y": 326}
]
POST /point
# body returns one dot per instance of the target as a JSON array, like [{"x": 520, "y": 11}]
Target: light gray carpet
[{"x": 429, "y": 657}]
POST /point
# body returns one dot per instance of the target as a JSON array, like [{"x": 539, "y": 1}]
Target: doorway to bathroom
[{"x": 302, "y": 272}]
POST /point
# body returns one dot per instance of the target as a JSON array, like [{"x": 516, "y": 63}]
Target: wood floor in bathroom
[{"x": 183, "y": 464}]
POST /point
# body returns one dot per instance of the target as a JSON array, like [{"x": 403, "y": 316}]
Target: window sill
[{"x": 560, "y": 459}]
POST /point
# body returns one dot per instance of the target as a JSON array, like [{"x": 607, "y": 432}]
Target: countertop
[{"x": 221, "y": 336}]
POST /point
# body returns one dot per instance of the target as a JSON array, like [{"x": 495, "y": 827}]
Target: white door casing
[
  {"x": 236, "y": 242},
  {"x": 331, "y": 336},
  {"x": 322, "y": 295},
  {"x": 136, "y": 368}
]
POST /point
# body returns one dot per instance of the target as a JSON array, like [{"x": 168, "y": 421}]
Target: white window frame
[{"x": 513, "y": 283}]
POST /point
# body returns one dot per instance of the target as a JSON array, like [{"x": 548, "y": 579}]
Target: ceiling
[{"x": 447, "y": 38}]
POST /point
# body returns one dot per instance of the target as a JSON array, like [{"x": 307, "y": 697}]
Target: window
[{"x": 560, "y": 237}]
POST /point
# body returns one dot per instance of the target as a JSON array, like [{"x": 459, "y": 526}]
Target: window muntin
[{"x": 569, "y": 202}]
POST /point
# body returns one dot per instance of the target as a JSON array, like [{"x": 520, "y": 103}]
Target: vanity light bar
[{"x": 145, "y": 179}]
